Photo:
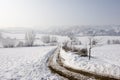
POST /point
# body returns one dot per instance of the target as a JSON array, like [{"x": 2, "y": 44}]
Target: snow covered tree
[
  {"x": 29, "y": 38},
  {"x": 66, "y": 46},
  {"x": 1, "y": 38},
  {"x": 8, "y": 42},
  {"x": 71, "y": 36},
  {"x": 53, "y": 39},
  {"x": 108, "y": 42},
  {"x": 19, "y": 44},
  {"x": 116, "y": 41},
  {"x": 45, "y": 39},
  {"x": 1, "y": 35},
  {"x": 75, "y": 41}
]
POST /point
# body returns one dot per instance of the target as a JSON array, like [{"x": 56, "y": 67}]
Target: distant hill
[
  {"x": 85, "y": 30},
  {"x": 105, "y": 30}
]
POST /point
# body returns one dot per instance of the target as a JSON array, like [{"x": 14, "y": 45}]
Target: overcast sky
[{"x": 45, "y": 13}]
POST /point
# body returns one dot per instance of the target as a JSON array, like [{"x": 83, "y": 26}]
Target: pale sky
[{"x": 45, "y": 13}]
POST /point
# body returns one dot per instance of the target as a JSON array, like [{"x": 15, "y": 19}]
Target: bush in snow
[
  {"x": 29, "y": 38},
  {"x": 77, "y": 50},
  {"x": 94, "y": 42},
  {"x": 108, "y": 41},
  {"x": 45, "y": 39},
  {"x": 67, "y": 46},
  {"x": 116, "y": 41},
  {"x": 1, "y": 36},
  {"x": 75, "y": 41},
  {"x": 83, "y": 52},
  {"x": 8, "y": 42},
  {"x": 53, "y": 39},
  {"x": 50, "y": 40},
  {"x": 19, "y": 44},
  {"x": 80, "y": 51}
]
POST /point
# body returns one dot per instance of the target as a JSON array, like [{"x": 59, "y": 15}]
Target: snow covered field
[
  {"x": 105, "y": 61},
  {"x": 102, "y": 39},
  {"x": 30, "y": 63},
  {"x": 25, "y": 63},
  {"x": 21, "y": 36}
]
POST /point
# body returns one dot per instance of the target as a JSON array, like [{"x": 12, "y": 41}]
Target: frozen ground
[
  {"x": 21, "y": 36},
  {"x": 105, "y": 61},
  {"x": 102, "y": 39},
  {"x": 26, "y": 64}
]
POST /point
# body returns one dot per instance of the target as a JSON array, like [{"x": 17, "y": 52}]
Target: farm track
[{"x": 56, "y": 65}]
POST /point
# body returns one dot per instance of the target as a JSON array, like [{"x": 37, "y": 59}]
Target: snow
[
  {"x": 108, "y": 53},
  {"x": 38, "y": 41},
  {"x": 19, "y": 36},
  {"x": 105, "y": 61},
  {"x": 102, "y": 39},
  {"x": 29, "y": 63},
  {"x": 25, "y": 63}
]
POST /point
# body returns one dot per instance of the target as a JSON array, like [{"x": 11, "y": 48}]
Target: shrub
[
  {"x": 53, "y": 39},
  {"x": 45, "y": 39},
  {"x": 67, "y": 46},
  {"x": 116, "y": 41},
  {"x": 8, "y": 42},
  {"x": 29, "y": 38},
  {"x": 82, "y": 52},
  {"x": 19, "y": 44},
  {"x": 108, "y": 42}
]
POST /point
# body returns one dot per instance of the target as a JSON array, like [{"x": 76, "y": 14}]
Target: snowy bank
[
  {"x": 28, "y": 63},
  {"x": 105, "y": 61},
  {"x": 56, "y": 66}
]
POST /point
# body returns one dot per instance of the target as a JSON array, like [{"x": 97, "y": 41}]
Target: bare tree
[
  {"x": 29, "y": 38},
  {"x": 92, "y": 43},
  {"x": 90, "y": 46}
]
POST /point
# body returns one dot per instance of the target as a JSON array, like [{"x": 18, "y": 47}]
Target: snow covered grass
[
  {"x": 38, "y": 37},
  {"x": 21, "y": 36},
  {"x": 25, "y": 63},
  {"x": 102, "y": 39},
  {"x": 108, "y": 53},
  {"x": 105, "y": 61}
]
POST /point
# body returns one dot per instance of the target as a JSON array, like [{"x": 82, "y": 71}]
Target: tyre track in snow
[
  {"x": 40, "y": 68},
  {"x": 56, "y": 65}
]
